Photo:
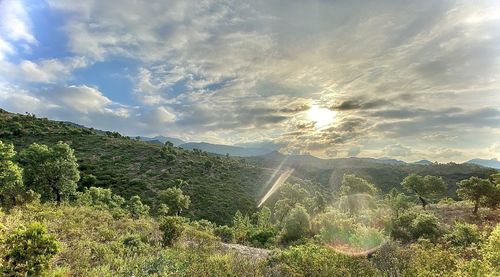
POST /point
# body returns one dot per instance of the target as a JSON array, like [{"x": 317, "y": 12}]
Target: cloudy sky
[{"x": 401, "y": 79}]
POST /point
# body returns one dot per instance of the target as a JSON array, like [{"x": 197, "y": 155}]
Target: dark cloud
[{"x": 348, "y": 105}]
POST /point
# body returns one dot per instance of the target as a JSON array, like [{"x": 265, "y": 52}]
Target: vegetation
[
  {"x": 54, "y": 223},
  {"x": 424, "y": 187},
  {"x": 476, "y": 189}
]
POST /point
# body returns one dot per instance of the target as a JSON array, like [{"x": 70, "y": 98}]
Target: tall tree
[
  {"x": 52, "y": 172},
  {"x": 426, "y": 188},
  {"x": 11, "y": 175},
  {"x": 475, "y": 189},
  {"x": 175, "y": 200}
]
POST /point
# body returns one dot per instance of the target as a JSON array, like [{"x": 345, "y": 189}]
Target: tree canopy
[
  {"x": 476, "y": 189},
  {"x": 351, "y": 184},
  {"x": 175, "y": 200},
  {"x": 50, "y": 171},
  {"x": 11, "y": 175},
  {"x": 425, "y": 188}
]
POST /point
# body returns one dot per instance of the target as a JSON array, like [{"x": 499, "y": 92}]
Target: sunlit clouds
[{"x": 408, "y": 80}]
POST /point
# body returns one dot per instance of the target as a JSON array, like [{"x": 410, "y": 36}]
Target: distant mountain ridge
[
  {"x": 493, "y": 163},
  {"x": 162, "y": 140},
  {"x": 222, "y": 149}
]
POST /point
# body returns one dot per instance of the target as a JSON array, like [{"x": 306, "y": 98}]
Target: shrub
[
  {"x": 492, "y": 248},
  {"x": 262, "y": 237},
  {"x": 172, "y": 228},
  {"x": 296, "y": 224},
  {"x": 425, "y": 225},
  {"x": 136, "y": 207},
  {"x": 392, "y": 259},
  {"x": 225, "y": 233},
  {"x": 28, "y": 251},
  {"x": 411, "y": 226},
  {"x": 314, "y": 260},
  {"x": 463, "y": 234}
]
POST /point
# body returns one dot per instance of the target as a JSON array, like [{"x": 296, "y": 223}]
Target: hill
[
  {"x": 493, "y": 163},
  {"x": 218, "y": 186}
]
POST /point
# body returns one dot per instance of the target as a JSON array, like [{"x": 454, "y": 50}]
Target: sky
[{"x": 400, "y": 79}]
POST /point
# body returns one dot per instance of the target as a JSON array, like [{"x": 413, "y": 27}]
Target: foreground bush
[
  {"x": 28, "y": 251},
  {"x": 172, "y": 228},
  {"x": 314, "y": 260},
  {"x": 463, "y": 234}
]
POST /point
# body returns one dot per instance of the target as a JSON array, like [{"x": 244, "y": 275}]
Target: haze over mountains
[{"x": 267, "y": 148}]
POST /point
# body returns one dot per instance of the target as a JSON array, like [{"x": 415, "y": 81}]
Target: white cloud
[
  {"x": 15, "y": 23},
  {"x": 396, "y": 150},
  {"x": 401, "y": 76}
]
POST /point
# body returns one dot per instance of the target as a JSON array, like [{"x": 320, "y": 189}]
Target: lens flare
[
  {"x": 355, "y": 226},
  {"x": 277, "y": 184}
]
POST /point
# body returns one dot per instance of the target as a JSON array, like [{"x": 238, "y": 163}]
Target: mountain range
[{"x": 259, "y": 149}]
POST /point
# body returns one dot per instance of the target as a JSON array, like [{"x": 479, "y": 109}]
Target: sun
[{"x": 322, "y": 117}]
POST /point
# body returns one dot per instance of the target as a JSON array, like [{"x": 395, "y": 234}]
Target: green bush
[
  {"x": 28, "y": 251},
  {"x": 314, "y": 260},
  {"x": 296, "y": 224},
  {"x": 225, "y": 233},
  {"x": 463, "y": 234},
  {"x": 491, "y": 249},
  {"x": 172, "y": 228},
  {"x": 262, "y": 238},
  {"x": 425, "y": 225},
  {"x": 411, "y": 226}
]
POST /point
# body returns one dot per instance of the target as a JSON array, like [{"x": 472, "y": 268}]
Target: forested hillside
[
  {"x": 384, "y": 174},
  {"x": 218, "y": 185}
]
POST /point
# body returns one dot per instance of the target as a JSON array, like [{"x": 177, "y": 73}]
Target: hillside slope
[
  {"x": 385, "y": 175},
  {"x": 218, "y": 186}
]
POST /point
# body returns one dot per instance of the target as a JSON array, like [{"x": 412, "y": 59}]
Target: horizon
[{"x": 406, "y": 81}]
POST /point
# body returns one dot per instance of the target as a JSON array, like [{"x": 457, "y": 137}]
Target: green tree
[
  {"x": 175, "y": 200},
  {"x": 100, "y": 197},
  {"x": 264, "y": 218},
  {"x": 475, "y": 189},
  {"x": 351, "y": 184},
  {"x": 397, "y": 201},
  {"x": 28, "y": 251},
  {"x": 136, "y": 207},
  {"x": 493, "y": 200},
  {"x": 297, "y": 224},
  {"x": 242, "y": 226},
  {"x": 290, "y": 195},
  {"x": 319, "y": 203},
  {"x": 425, "y": 188},
  {"x": 11, "y": 175},
  {"x": 52, "y": 172}
]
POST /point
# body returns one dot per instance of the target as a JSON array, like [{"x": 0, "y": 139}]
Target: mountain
[
  {"x": 493, "y": 163},
  {"x": 162, "y": 140},
  {"x": 225, "y": 149},
  {"x": 423, "y": 162}
]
